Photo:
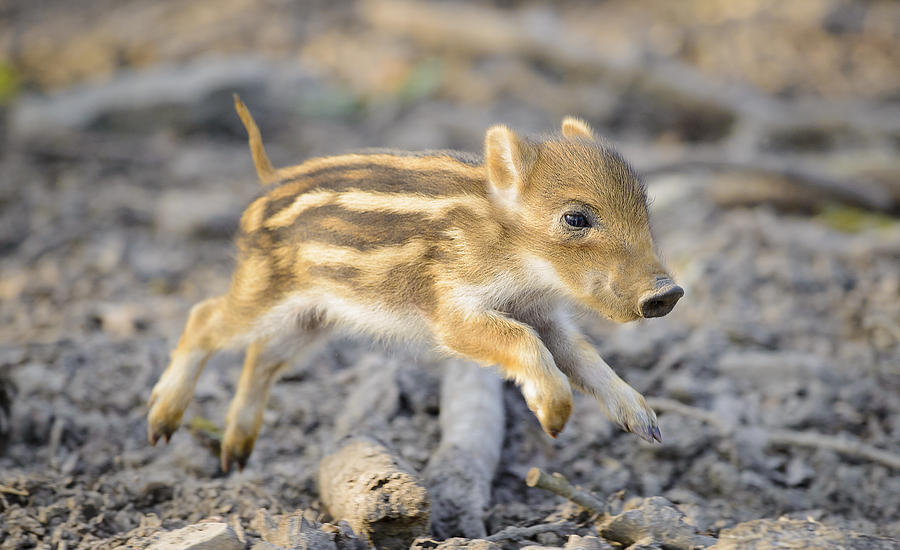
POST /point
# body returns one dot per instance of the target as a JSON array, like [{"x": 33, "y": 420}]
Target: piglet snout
[{"x": 661, "y": 301}]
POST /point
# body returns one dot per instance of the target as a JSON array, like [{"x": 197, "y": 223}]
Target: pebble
[
  {"x": 576, "y": 542},
  {"x": 455, "y": 543},
  {"x": 201, "y": 536}
]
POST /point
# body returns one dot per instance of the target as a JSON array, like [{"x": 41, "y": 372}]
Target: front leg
[
  {"x": 587, "y": 371},
  {"x": 492, "y": 338}
]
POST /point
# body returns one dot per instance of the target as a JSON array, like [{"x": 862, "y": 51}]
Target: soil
[{"x": 121, "y": 183}]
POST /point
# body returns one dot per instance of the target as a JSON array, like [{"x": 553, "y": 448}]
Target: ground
[{"x": 123, "y": 172}]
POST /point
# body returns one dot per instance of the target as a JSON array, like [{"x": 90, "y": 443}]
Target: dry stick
[
  {"x": 376, "y": 492},
  {"x": 13, "y": 491},
  {"x": 845, "y": 446},
  {"x": 461, "y": 471},
  {"x": 670, "y": 405},
  {"x": 558, "y": 484},
  {"x": 361, "y": 480}
]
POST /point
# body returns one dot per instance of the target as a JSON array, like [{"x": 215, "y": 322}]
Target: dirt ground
[{"x": 124, "y": 170}]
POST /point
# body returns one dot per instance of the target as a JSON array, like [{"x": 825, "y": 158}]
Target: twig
[
  {"x": 559, "y": 485},
  {"x": 844, "y": 445},
  {"x": 13, "y": 491},
  {"x": 522, "y": 533},
  {"x": 670, "y": 405}
]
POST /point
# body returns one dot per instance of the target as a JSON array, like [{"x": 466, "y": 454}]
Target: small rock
[
  {"x": 798, "y": 472},
  {"x": 121, "y": 320},
  {"x": 548, "y": 539},
  {"x": 201, "y": 536},
  {"x": 294, "y": 531},
  {"x": 154, "y": 492},
  {"x": 576, "y": 542},
  {"x": 346, "y": 539},
  {"x": 656, "y": 519},
  {"x": 456, "y": 543}
]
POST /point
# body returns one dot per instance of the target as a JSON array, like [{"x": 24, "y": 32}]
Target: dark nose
[{"x": 660, "y": 302}]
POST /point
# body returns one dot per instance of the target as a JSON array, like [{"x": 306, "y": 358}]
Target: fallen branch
[
  {"x": 559, "y": 485},
  {"x": 361, "y": 481},
  {"x": 460, "y": 472},
  {"x": 855, "y": 190},
  {"x": 843, "y": 445},
  {"x": 372, "y": 403},
  {"x": 662, "y": 404},
  {"x": 13, "y": 491},
  {"x": 377, "y": 493}
]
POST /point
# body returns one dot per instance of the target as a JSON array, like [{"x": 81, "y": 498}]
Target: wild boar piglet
[{"x": 476, "y": 257}]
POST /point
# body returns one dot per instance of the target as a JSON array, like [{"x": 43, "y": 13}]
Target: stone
[
  {"x": 577, "y": 542},
  {"x": 293, "y": 531},
  {"x": 655, "y": 519},
  {"x": 456, "y": 543},
  {"x": 200, "y": 536}
]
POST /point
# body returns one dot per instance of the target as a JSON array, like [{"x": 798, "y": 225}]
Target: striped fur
[{"x": 470, "y": 256}]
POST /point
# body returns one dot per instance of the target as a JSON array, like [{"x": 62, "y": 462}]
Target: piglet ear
[
  {"x": 508, "y": 160},
  {"x": 575, "y": 127}
]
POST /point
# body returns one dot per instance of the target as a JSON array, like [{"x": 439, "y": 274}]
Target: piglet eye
[{"x": 576, "y": 219}]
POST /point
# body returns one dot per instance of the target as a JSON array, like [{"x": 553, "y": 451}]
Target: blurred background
[{"x": 767, "y": 132}]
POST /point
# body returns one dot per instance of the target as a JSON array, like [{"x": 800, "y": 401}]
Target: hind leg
[
  {"x": 262, "y": 364},
  {"x": 205, "y": 333}
]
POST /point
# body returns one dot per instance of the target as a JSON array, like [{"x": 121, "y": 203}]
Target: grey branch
[
  {"x": 855, "y": 190},
  {"x": 461, "y": 471},
  {"x": 360, "y": 480},
  {"x": 844, "y": 445}
]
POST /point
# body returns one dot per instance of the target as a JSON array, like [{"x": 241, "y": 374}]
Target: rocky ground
[{"x": 124, "y": 170}]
